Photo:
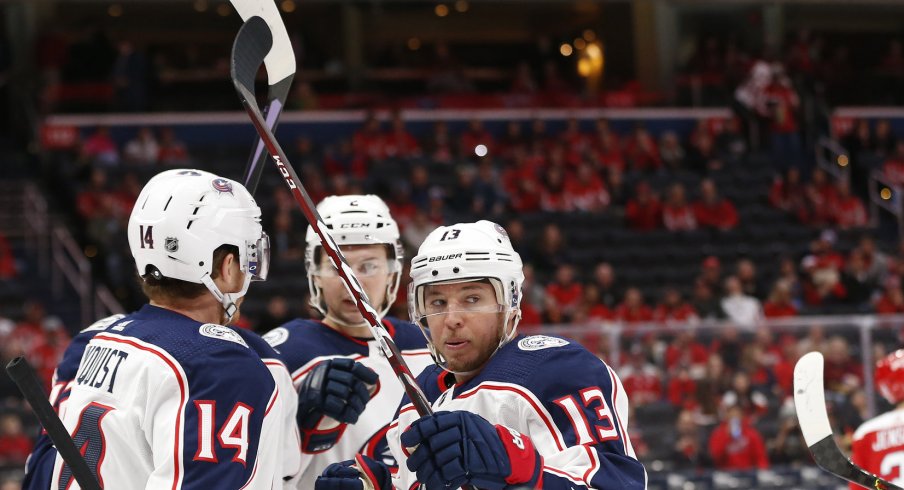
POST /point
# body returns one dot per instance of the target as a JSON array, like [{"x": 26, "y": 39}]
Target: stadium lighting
[
  {"x": 480, "y": 150},
  {"x": 843, "y": 160},
  {"x": 462, "y": 6},
  {"x": 115, "y": 10},
  {"x": 441, "y": 10},
  {"x": 565, "y": 49},
  {"x": 589, "y": 35},
  {"x": 414, "y": 43},
  {"x": 885, "y": 193},
  {"x": 287, "y": 6},
  {"x": 580, "y": 43}
]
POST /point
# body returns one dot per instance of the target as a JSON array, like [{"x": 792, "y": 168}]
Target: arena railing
[
  {"x": 861, "y": 332},
  {"x": 60, "y": 257}
]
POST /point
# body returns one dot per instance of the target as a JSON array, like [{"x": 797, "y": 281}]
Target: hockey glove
[
  {"x": 361, "y": 473},
  {"x": 456, "y": 448},
  {"x": 338, "y": 388}
]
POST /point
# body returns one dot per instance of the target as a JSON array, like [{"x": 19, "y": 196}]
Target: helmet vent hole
[
  {"x": 455, "y": 270},
  {"x": 167, "y": 203},
  {"x": 201, "y": 264},
  {"x": 435, "y": 273}
]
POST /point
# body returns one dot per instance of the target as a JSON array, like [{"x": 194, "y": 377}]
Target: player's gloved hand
[
  {"x": 338, "y": 388},
  {"x": 361, "y": 473},
  {"x": 457, "y": 448}
]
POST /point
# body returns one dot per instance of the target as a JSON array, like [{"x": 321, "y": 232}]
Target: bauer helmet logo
[
  {"x": 171, "y": 244},
  {"x": 221, "y": 185},
  {"x": 443, "y": 257}
]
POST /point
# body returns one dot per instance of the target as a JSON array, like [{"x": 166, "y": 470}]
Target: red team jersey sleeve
[{"x": 878, "y": 447}]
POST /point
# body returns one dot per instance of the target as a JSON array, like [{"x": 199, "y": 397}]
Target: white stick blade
[
  {"x": 280, "y": 60},
  {"x": 810, "y": 399}
]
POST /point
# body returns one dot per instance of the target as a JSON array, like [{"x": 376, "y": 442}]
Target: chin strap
[{"x": 228, "y": 300}]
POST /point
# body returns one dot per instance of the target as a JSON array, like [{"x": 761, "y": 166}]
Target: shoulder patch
[
  {"x": 215, "y": 331},
  {"x": 539, "y": 342},
  {"x": 276, "y": 336}
]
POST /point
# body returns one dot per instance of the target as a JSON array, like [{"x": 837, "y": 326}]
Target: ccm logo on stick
[{"x": 284, "y": 171}]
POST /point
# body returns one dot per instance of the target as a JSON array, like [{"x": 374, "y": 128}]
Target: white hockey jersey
[
  {"x": 160, "y": 401},
  {"x": 568, "y": 401},
  {"x": 302, "y": 344}
]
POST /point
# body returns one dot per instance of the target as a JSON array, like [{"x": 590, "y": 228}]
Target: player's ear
[{"x": 231, "y": 273}]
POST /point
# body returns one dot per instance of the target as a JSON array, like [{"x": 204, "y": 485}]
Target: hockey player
[
  {"x": 168, "y": 397},
  {"x": 878, "y": 445},
  {"x": 347, "y": 391},
  {"x": 510, "y": 411}
]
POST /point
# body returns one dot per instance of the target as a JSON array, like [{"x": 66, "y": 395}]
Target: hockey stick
[
  {"x": 280, "y": 63},
  {"x": 810, "y": 403},
  {"x": 24, "y": 376},
  {"x": 251, "y": 45}
]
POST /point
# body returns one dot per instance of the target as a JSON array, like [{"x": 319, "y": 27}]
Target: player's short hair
[{"x": 166, "y": 289}]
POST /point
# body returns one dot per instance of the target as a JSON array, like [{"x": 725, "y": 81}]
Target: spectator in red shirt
[
  {"x": 172, "y": 152},
  {"x": 633, "y": 309},
  {"x": 892, "y": 300},
  {"x": 100, "y": 148},
  {"x": 674, "y": 308},
  {"x": 399, "y": 142},
  {"x": 787, "y": 192},
  {"x": 592, "y": 305},
  {"x": 641, "y": 379},
  {"x": 553, "y": 196},
  {"x": 670, "y": 151},
  {"x": 643, "y": 212},
  {"x": 681, "y": 389},
  {"x": 586, "y": 191},
  {"x": 782, "y": 103},
  {"x": 91, "y": 201},
  {"x": 712, "y": 210},
  {"x": 677, "y": 214},
  {"x": 685, "y": 350},
  {"x": 607, "y": 149},
  {"x": 642, "y": 151},
  {"x": 841, "y": 370},
  {"x": 369, "y": 141},
  {"x": 564, "y": 290},
  {"x": 849, "y": 210},
  {"x": 8, "y": 268},
  {"x": 472, "y": 137},
  {"x": 893, "y": 167},
  {"x": 737, "y": 445},
  {"x": 779, "y": 304},
  {"x": 819, "y": 201},
  {"x": 15, "y": 446},
  {"x": 439, "y": 146},
  {"x": 574, "y": 139}
]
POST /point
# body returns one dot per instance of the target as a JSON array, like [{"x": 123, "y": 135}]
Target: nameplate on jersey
[
  {"x": 540, "y": 342},
  {"x": 276, "y": 336},
  {"x": 215, "y": 331}
]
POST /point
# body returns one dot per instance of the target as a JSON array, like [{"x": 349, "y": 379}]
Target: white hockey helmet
[
  {"x": 467, "y": 252},
  {"x": 183, "y": 215},
  {"x": 355, "y": 220}
]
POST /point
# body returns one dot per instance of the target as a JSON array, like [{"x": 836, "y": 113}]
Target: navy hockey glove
[
  {"x": 455, "y": 448},
  {"x": 351, "y": 475},
  {"x": 338, "y": 388}
]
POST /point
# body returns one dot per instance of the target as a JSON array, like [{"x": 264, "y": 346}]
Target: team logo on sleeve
[
  {"x": 215, "y": 331},
  {"x": 539, "y": 342},
  {"x": 276, "y": 336}
]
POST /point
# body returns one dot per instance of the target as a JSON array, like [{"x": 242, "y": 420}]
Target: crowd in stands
[
  {"x": 92, "y": 70},
  {"x": 727, "y": 390}
]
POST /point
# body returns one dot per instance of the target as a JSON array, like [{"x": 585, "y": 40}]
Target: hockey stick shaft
[
  {"x": 24, "y": 376},
  {"x": 251, "y": 45}
]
